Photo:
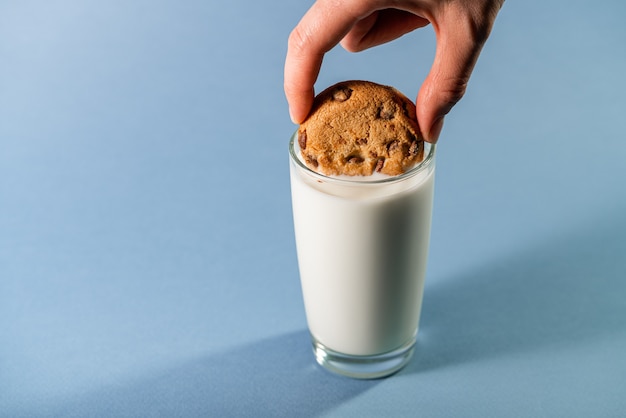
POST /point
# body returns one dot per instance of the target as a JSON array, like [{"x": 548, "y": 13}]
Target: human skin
[{"x": 461, "y": 28}]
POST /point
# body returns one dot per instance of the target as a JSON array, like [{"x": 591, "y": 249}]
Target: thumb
[{"x": 458, "y": 45}]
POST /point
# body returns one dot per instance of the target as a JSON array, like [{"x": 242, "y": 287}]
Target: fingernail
[
  {"x": 435, "y": 130},
  {"x": 291, "y": 116}
]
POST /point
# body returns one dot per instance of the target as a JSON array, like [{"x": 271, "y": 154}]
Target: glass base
[{"x": 363, "y": 367}]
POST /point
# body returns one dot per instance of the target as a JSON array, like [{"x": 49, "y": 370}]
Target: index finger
[{"x": 321, "y": 29}]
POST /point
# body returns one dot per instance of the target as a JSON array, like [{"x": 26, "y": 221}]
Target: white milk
[{"x": 362, "y": 251}]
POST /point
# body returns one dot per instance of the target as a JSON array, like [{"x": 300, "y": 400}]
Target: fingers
[
  {"x": 461, "y": 28},
  {"x": 321, "y": 28},
  {"x": 381, "y": 27},
  {"x": 460, "y": 37}
]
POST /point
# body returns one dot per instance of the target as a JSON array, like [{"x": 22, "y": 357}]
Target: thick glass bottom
[{"x": 363, "y": 367}]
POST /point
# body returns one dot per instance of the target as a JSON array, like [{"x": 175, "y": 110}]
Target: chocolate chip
[
  {"x": 414, "y": 148},
  {"x": 379, "y": 165},
  {"x": 405, "y": 109},
  {"x": 361, "y": 141},
  {"x": 302, "y": 139},
  {"x": 386, "y": 112},
  {"x": 393, "y": 145},
  {"x": 354, "y": 159},
  {"x": 311, "y": 160},
  {"x": 342, "y": 94}
]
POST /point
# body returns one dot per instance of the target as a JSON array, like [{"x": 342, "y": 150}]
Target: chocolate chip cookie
[{"x": 358, "y": 128}]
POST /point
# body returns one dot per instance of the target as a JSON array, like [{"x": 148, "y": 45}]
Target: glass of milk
[{"x": 362, "y": 245}]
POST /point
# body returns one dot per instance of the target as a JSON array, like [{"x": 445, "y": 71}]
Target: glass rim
[{"x": 418, "y": 168}]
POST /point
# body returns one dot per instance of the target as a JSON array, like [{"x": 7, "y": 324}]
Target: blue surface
[{"x": 147, "y": 259}]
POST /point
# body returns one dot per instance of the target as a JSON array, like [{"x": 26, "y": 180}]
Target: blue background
[{"x": 147, "y": 259}]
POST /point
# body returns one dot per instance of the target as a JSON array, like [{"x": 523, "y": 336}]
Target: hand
[{"x": 461, "y": 28}]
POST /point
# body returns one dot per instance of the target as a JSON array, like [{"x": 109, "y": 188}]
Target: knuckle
[
  {"x": 455, "y": 90},
  {"x": 450, "y": 92},
  {"x": 299, "y": 40}
]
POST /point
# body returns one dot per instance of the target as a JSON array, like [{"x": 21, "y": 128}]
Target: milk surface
[{"x": 362, "y": 252}]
